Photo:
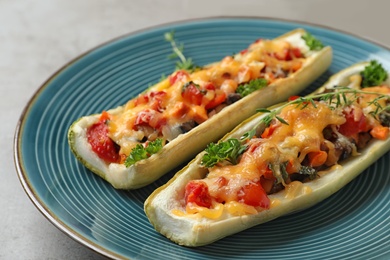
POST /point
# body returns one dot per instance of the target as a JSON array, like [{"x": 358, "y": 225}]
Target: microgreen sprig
[
  {"x": 231, "y": 149},
  {"x": 184, "y": 63}
]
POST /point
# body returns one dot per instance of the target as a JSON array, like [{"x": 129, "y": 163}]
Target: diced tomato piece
[
  {"x": 268, "y": 173},
  {"x": 158, "y": 95},
  {"x": 105, "y": 116},
  {"x": 141, "y": 99},
  {"x": 243, "y": 51},
  {"x": 197, "y": 192},
  {"x": 293, "y": 53},
  {"x": 101, "y": 143},
  {"x": 289, "y": 54},
  {"x": 253, "y": 147},
  {"x": 209, "y": 86},
  {"x": 268, "y": 131},
  {"x": 292, "y": 98},
  {"x": 222, "y": 181},
  {"x": 253, "y": 194},
  {"x": 282, "y": 55},
  {"x": 143, "y": 117},
  {"x": 219, "y": 99},
  {"x": 317, "y": 158},
  {"x": 192, "y": 94},
  {"x": 151, "y": 118},
  {"x": 156, "y": 99},
  {"x": 352, "y": 127},
  {"x": 291, "y": 167},
  {"x": 296, "y": 52},
  {"x": 178, "y": 76}
]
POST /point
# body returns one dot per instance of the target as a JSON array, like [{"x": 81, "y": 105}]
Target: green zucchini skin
[
  {"x": 186, "y": 146},
  {"x": 192, "y": 232}
]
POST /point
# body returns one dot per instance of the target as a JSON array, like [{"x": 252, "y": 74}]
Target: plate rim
[{"x": 19, "y": 129}]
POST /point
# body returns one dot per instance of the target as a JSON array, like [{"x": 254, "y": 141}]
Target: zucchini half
[
  {"x": 185, "y": 146},
  {"x": 192, "y": 231}
]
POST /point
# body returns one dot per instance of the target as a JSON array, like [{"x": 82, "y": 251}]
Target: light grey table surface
[{"x": 37, "y": 37}]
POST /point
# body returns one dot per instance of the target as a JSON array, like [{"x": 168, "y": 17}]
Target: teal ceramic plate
[{"x": 352, "y": 224}]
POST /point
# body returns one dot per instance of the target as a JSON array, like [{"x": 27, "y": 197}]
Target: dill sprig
[
  {"x": 231, "y": 149},
  {"x": 336, "y": 99},
  {"x": 378, "y": 107}
]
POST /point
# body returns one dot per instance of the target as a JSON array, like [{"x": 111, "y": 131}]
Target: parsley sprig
[
  {"x": 228, "y": 150},
  {"x": 184, "y": 63},
  {"x": 373, "y": 74},
  {"x": 251, "y": 86},
  {"x": 312, "y": 42},
  {"x": 140, "y": 152}
]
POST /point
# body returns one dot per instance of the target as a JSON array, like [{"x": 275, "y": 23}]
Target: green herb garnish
[
  {"x": 384, "y": 116},
  {"x": 309, "y": 171},
  {"x": 373, "y": 74},
  {"x": 334, "y": 100},
  {"x": 379, "y": 109},
  {"x": 184, "y": 63},
  {"x": 228, "y": 150},
  {"x": 251, "y": 86},
  {"x": 279, "y": 171},
  {"x": 312, "y": 42},
  {"x": 189, "y": 83},
  {"x": 231, "y": 149},
  {"x": 140, "y": 152}
]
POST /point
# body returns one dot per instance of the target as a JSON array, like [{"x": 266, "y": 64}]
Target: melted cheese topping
[
  {"x": 299, "y": 142},
  {"x": 161, "y": 111},
  {"x": 366, "y": 101},
  {"x": 295, "y": 189},
  {"x": 239, "y": 209},
  {"x": 288, "y": 143}
]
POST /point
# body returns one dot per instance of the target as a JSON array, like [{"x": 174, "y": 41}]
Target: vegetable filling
[
  {"x": 290, "y": 146},
  {"x": 190, "y": 96}
]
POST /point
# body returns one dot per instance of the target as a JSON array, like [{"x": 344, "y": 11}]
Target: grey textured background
[{"x": 37, "y": 37}]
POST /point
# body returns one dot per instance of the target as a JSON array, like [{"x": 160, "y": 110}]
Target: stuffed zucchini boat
[
  {"x": 135, "y": 144},
  {"x": 281, "y": 160}
]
